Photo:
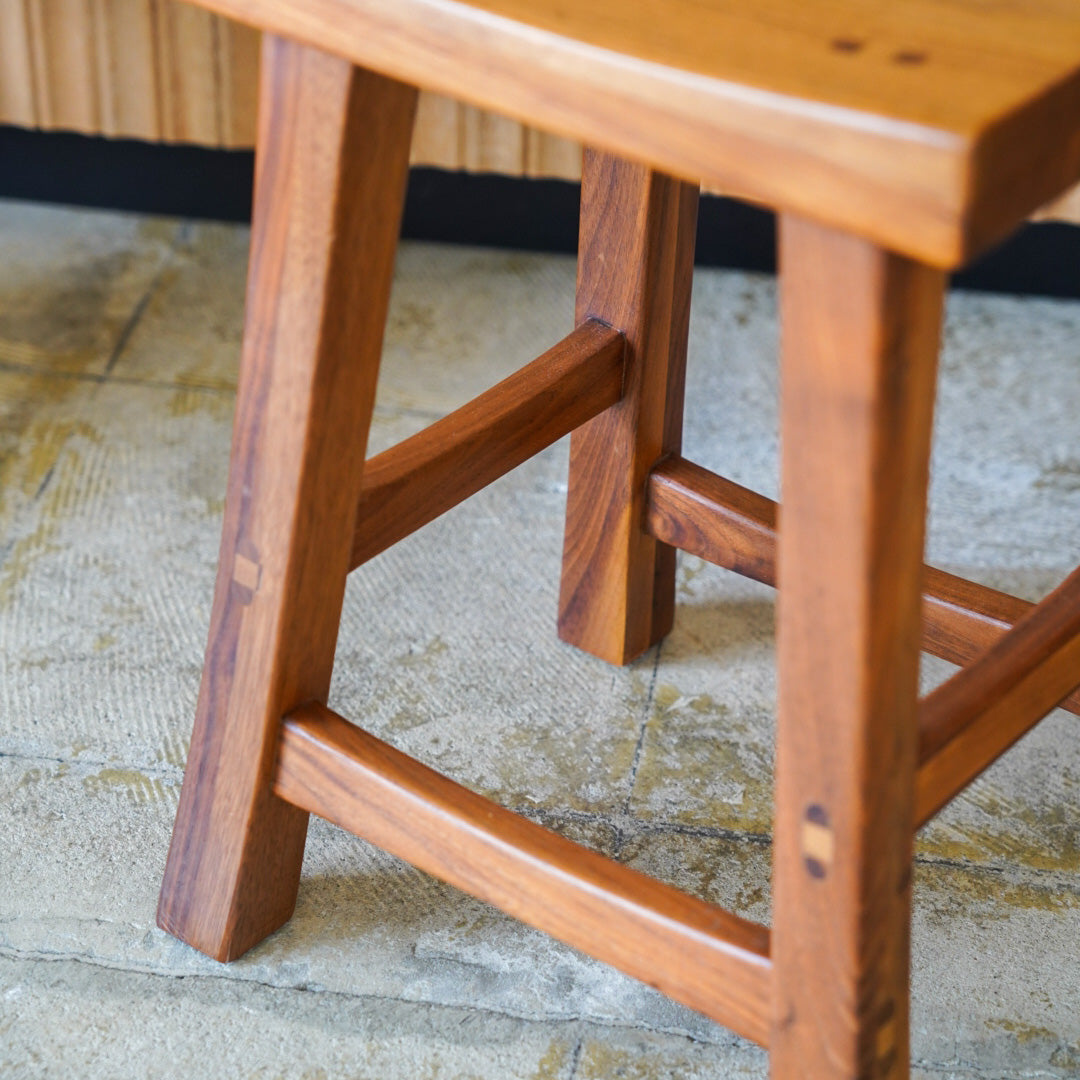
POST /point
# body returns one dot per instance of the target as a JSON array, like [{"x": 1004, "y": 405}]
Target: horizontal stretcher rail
[
  {"x": 697, "y": 511},
  {"x": 971, "y": 720},
  {"x": 422, "y": 477},
  {"x": 693, "y": 951}
]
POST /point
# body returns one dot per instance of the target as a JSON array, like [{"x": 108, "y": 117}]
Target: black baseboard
[{"x": 493, "y": 211}]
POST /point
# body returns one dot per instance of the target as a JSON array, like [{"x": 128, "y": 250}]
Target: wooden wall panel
[
  {"x": 169, "y": 72},
  {"x": 18, "y": 104}
]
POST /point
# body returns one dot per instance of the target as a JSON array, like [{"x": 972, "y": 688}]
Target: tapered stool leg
[
  {"x": 860, "y": 332},
  {"x": 331, "y": 170},
  {"x": 635, "y": 268}
]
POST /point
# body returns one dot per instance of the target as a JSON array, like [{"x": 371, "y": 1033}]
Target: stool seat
[{"x": 932, "y": 127}]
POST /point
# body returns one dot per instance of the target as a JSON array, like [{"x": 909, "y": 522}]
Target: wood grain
[
  {"x": 962, "y": 619},
  {"x": 860, "y": 332},
  {"x": 635, "y": 270},
  {"x": 693, "y": 951},
  {"x": 148, "y": 87},
  {"x": 724, "y": 523},
  {"x": 694, "y": 510},
  {"x": 414, "y": 482},
  {"x": 969, "y": 721},
  {"x": 933, "y": 136},
  {"x": 330, "y": 182}
]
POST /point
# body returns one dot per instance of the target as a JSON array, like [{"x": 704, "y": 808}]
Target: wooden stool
[{"x": 897, "y": 140}]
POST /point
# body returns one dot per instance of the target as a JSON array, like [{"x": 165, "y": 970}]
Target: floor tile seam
[
  {"x": 949, "y": 1071},
  {"x": 47, "y": 956},
  {"x": 1060, "y": 879},
  {"x": 96, "y": 379},
  {"x": 41, "y": 956},
  {"x": 575, "y": 1059},
  {"x": 978, "y": 1072},
  {"x": 386, "y": 413},
  {"x": 635, "y": 762},
  {"x": 174, "y": 774},
  {"x": 627, "y": 825},
  {"x": 167, "y": 773},
  {"x": 50, "y": 956},
  {"x": 135, "y": 317}
]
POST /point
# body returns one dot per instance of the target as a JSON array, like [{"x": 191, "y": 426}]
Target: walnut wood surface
[
  {"x": 695, "y": 952},
  {"x": 330, "y": 178},
  {"x": 969, "y": 721},
  {"x": 697, "y": 511},
  {"x": 635, "y": 269},
  {"x": 414, "y": 482},
  {"x": 929, "y": 126},
  {"x": 860, "y": 332}
]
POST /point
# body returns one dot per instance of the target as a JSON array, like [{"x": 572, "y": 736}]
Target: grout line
[
  {"x": 646, "y": 711},
  {"x": 167, "y": 774},
  {"x": 17, "y": 955},
  {"x": 13, "y": 368},
  {"x": 575, "y": 1057},
  {"x": 620, "y": 830},
  {"x": 139, "y": 309},
  {"x": 622, "y": 824}
]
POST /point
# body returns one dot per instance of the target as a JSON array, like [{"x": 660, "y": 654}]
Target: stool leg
[
  {"x": 635, "y": 267},
  {"x": 860, "y": 331},
  {"x": 332, "y": 164}
]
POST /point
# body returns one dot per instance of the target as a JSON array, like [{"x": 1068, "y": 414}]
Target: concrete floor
[{"x": 118, "y": 346}]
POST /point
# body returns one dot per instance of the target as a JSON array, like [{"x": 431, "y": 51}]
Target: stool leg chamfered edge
[
  {"x": 860, "y": 335},
  {"x": 330, "y": 177},
  {"x": 635, "y": 270}
]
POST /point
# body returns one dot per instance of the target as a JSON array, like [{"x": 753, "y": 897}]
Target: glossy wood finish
[
  {"x": 635, "y": 268},
  {"x": 329, "y": 187},
  {"x": 931, "y": 126},
  {"x": 860, "y": 332},
  {"x": 414, "y": 482},
  {"x": 697, "y": 511},
  {"x": 695, "y": 952},
  {"x": 969, "y": 721}
]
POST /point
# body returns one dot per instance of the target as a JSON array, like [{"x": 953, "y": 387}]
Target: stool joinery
[{"x": 894, "y": 149}]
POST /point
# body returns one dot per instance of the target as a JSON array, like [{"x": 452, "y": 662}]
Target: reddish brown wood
[
  {"x": 860, "y": 332},
  {"x": 695, "y": 952},
  {"x": 635, "y": 268},
  {"x": 697, "y": 511},
  {"x": 962, "y": 619},
  {"x": 414, "y": 482},
  {"x": 333, "y": 157},
  {"x": 969, "y": 721}
]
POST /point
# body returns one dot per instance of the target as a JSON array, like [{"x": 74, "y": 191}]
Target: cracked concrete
[{"x": 119, "y": 339}]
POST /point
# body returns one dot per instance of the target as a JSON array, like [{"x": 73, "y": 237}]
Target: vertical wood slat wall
[{"x": 168, "y": 72}]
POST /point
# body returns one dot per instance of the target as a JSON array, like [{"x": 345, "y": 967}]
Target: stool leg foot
[
  {"x": 330, "y": 179},
  {"x": 635, "y": 268},
  {"x": 860, "y": 333}
]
